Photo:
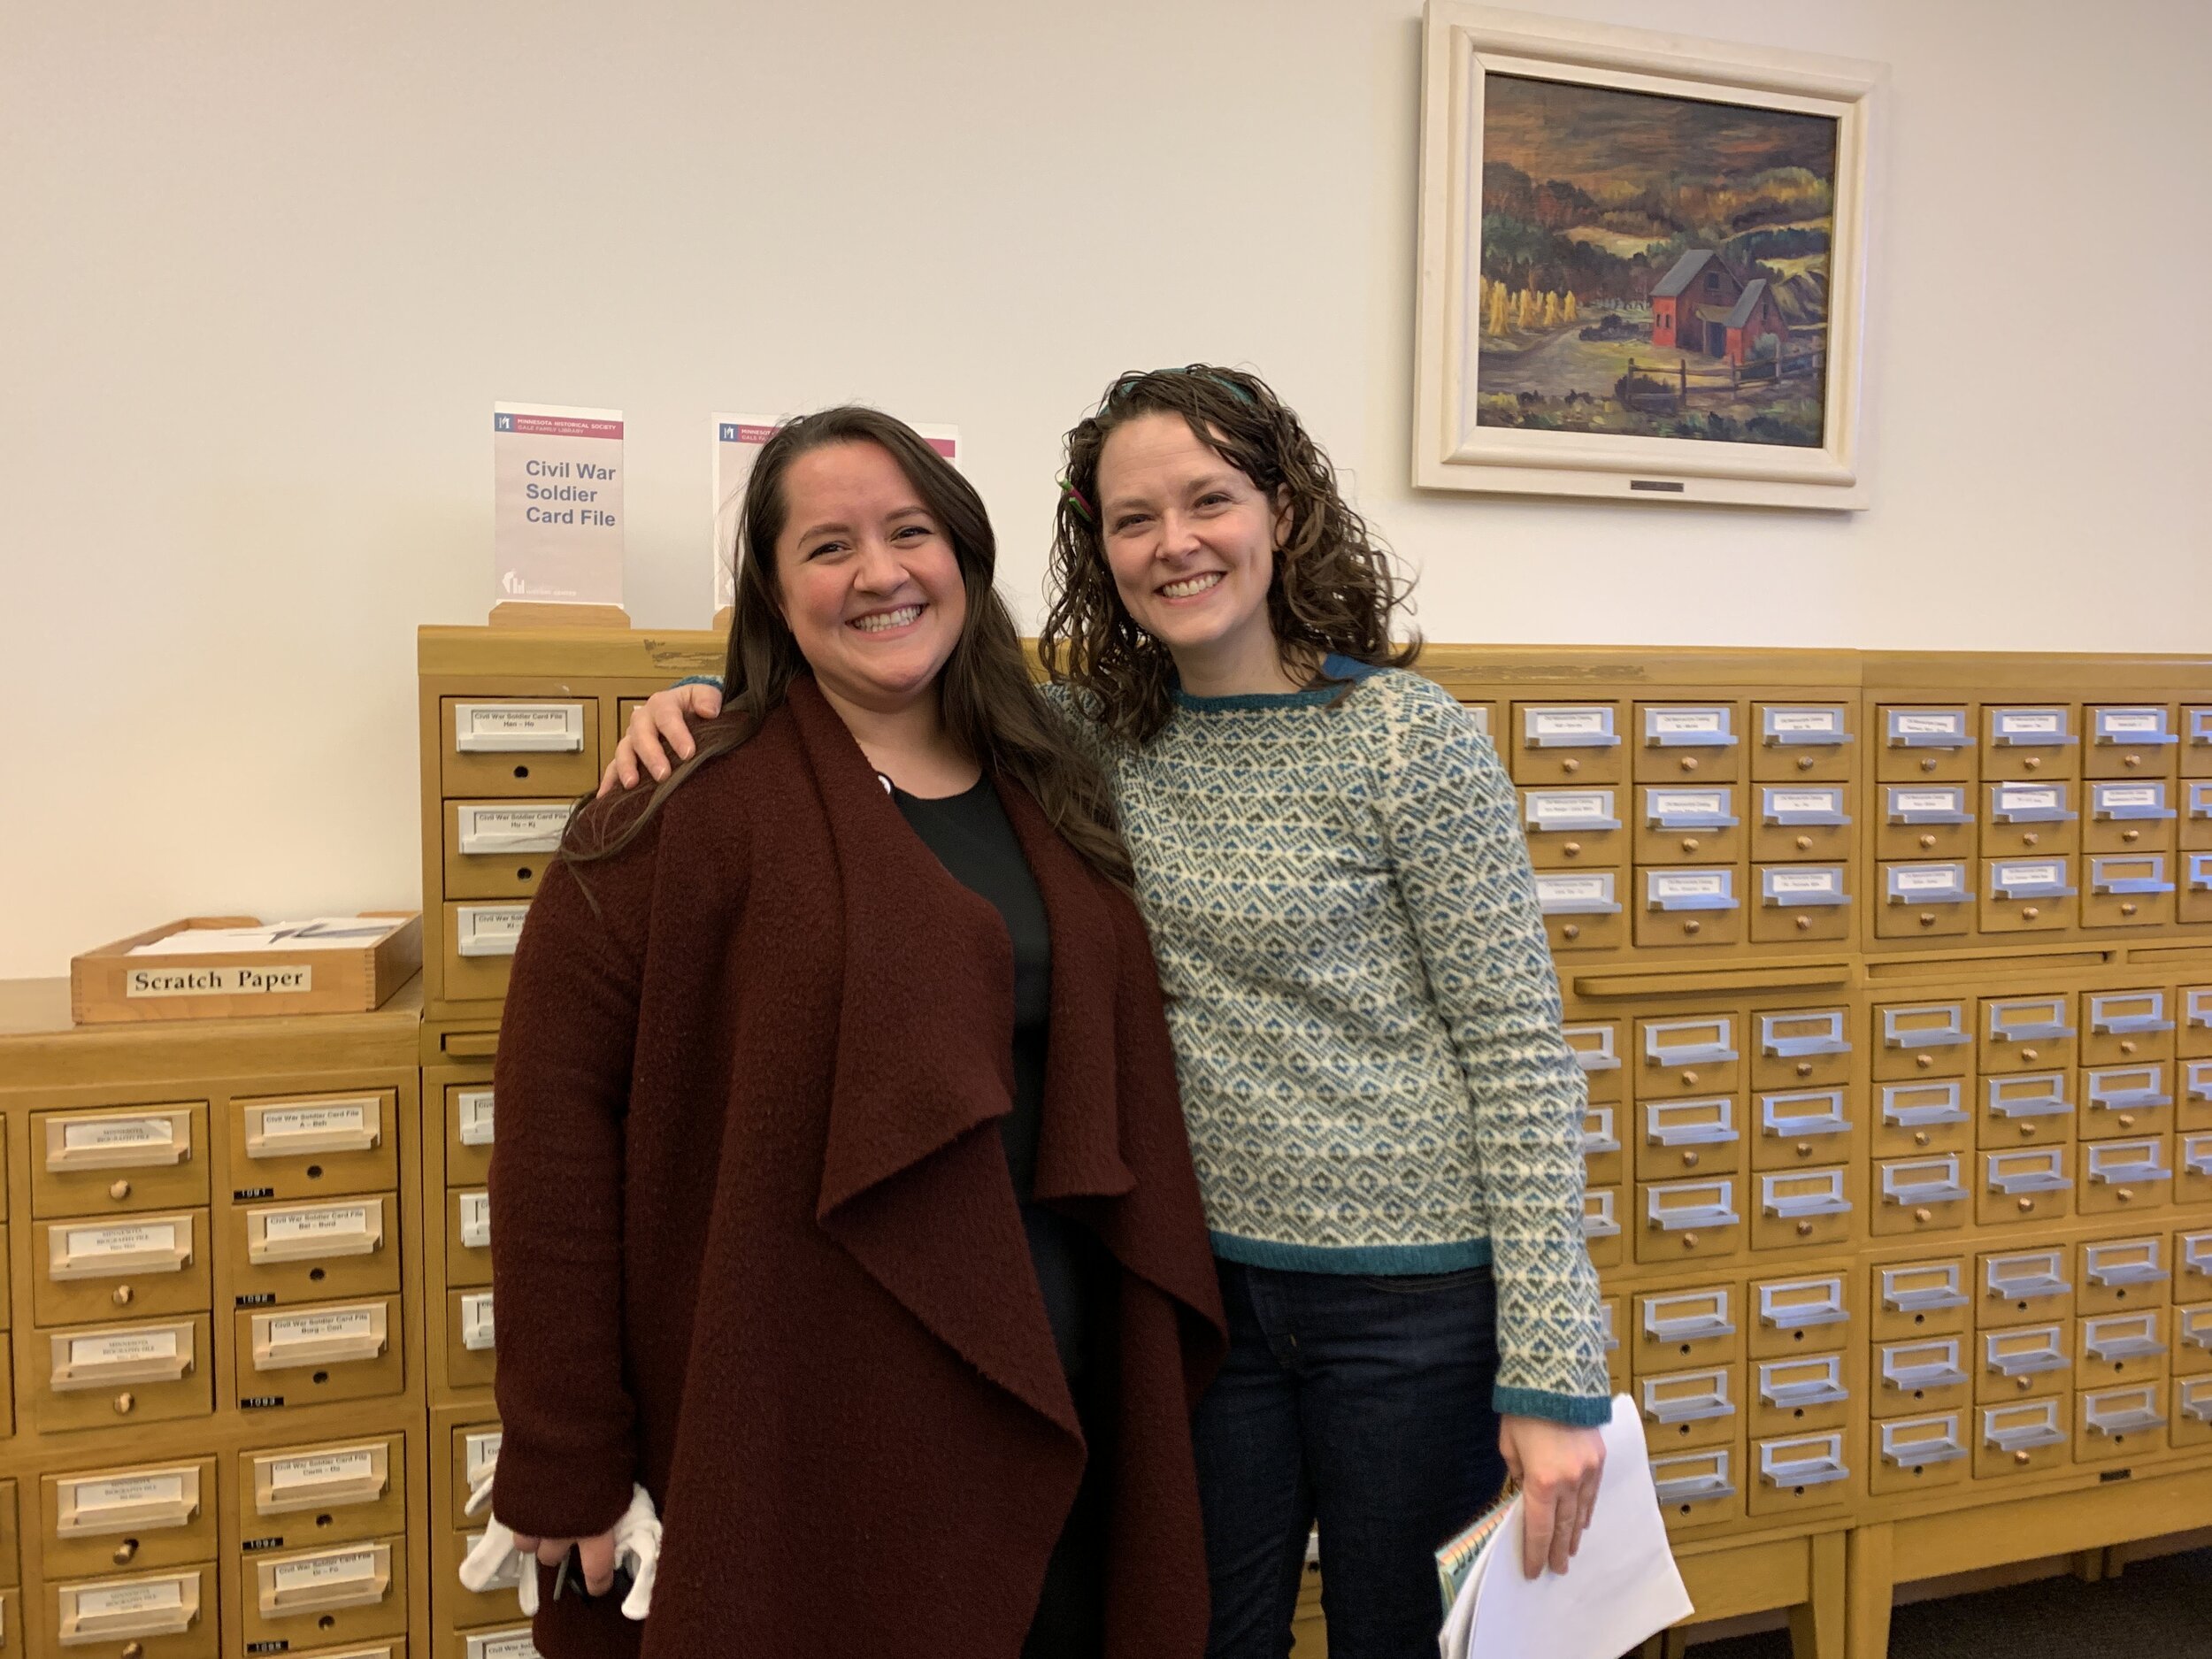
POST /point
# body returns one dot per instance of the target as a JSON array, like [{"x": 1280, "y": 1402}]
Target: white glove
[{"x": 637, "y": 1540}]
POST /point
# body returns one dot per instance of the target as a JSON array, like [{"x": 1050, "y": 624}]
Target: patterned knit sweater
[{"x": 1366, "y": 1019}]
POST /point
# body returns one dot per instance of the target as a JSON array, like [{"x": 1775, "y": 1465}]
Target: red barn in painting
[{"x": 1702, "y": 305}]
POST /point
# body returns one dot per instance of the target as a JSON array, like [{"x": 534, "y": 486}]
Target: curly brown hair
[{"x": 1334, "y": 589}]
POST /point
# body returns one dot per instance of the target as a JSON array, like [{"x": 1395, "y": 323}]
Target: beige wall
[{"x": 267, "y": 263}]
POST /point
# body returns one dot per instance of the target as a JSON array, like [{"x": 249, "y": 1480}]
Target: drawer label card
[
  {"x": 474, "y": 1106},
  {"x": 101, "y": 1135},
  {"x": 319, "y": 1221},
  {"x": 2146, "y": 794},
  {"x": 505, "y": 1644},
  {"x": 122, "y": 1348},
  {"x": 2125, "y": 720},
  {"x": 481, "y": 1452},
  {"x": 1665, "y": 805},
  {"x": 2028, "y": 797},
  {"x": 1575, "y": 894},
  {"x": 1927, "y": 800},
  {"x": 1929, "y": 879},
  {"x": 491, "y": 930},
  {"x": 355, "y": 1566},
  {"x": 1782, "y": 806},
  {"x": 107, "y": 1600},
  {"x": 506, "y": 1575},
  {"x": 315, "y": 1120},
  {"x": 486, "y": 830},
  {"x": 1951, "y": 724},
  {"x": 1804, "y": 722},
  {"x": 2017, "y": 723},
  {"x": 476, "y": 1322},
  {"x": 1672, "y": 885},
  {"x": 322, "y": 1469},
  {"x": 476, "y": 1220},
  {"x": 1686, "y": 722},
  {"x": 1550, "y": 808},
  {"x": 1569, "y": 722},
  {"x": 315, "y": 1327},
  {"x": 124, "y": 1241},
  {"x": 121, "y": 1491},
  {"x": 557, "y": 727}
]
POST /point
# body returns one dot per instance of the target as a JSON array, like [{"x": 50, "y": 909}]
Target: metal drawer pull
[
  {"x": 2026, "y": 1436},
  {"x": 1935, "y": 1103},
  {"x": 1827, "y": 1119},
  {"x": 1690, "y": 1406},
  {"x": 1825, "y": 1200},
  {"x": 1708, "y": 1483},
  {"x": 2201, "y": 1080},
  {"x": 1941, "y": 1446},
  {"x": 1720, "y": 1047},
  {"x": 1697, "y": 1132},
  {"x": 1924, "y": 1298},
  {"x": 1719, "y": 1213},
  {"x": 2106, "y": 1094},
  {"x": 1599, "y": 1057},
  {"x": 2196, "y": 1252},
  {"x": 1826, "y": 1389},
  {"x": 1910, "y": 1184},
  {"x": 519, "y": 728},
  {"x": 1691, "y": 888},
  {"x": 1940, "y": 1373},
  {"x": 2021, "y": 803},
  {"x": 1802, "y": 727},
  {"x": 2028, "y": 1359},
  {"x": 2141, "y": 1162},
  {"x": 2024, "y": 1278},
  {"x": 2030, "y": 879},
  {"x": 2196, "y": 1400},
  {"x": 2030, "y": 728},
  {"x": 1597, "y": 1132},
  {"x": 1558, "y": 894},
  {"x": 1791, "y": 808},
  {"x": 1822, "y": 1306},
  {"x": 1779, "y": 1467},
  {"x": 2134, "y": 1263},
  {"x": 1912, "y": 805},
  {"x": 2043, "y": 1095},
  {"x": 2100, "y": 881},
  {"x": 2131, "y": 1419},
  {"x": 2137, "y": 1337},
  {"x": 1569, "y": 728},
  {"x": 2196, "y": 1154},
  {"x": 2122, "y": 802},
  {"x": 1950, "y": 1034},
  {"x": 1554, "y": 811},
  {"x": 2042, "y": 1174},
  {"x": 1688, "y": 1328},
  {"x": 1675, "y": 727},
  {"x": 2134, "y": 727},
  {"x": 1828, "y": 1040},
  {"x": 1688, "y": 808},
  {"x": 1598, "y": 1223},
  {"x": 1927, "y": 728},
  {"x": 2107, "y": 1023},
  {"x": 2052, "y": 1026}
]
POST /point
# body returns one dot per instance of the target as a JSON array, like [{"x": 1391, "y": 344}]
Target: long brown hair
[
  {"x": 991, "y": 708},
  {"x": 1334, "y": 589}
]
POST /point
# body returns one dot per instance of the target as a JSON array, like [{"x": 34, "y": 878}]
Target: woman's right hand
[
  {"x": 595, "y": 1555},
  {"x": 657, "y": 726}
]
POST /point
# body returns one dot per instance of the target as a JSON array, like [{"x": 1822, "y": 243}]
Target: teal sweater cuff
[{"x": 1573, "y": 1410}]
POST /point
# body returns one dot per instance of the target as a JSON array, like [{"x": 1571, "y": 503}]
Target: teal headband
[{"x": 1241, "y": 393}]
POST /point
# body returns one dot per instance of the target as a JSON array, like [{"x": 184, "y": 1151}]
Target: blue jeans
[{"x": 1361, "y": 1402}]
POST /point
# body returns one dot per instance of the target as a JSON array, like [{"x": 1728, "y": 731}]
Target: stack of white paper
[{"x": 1622, "y": 1590}]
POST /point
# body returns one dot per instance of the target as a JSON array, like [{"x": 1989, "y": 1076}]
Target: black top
[{"x": 972, "y": 839}]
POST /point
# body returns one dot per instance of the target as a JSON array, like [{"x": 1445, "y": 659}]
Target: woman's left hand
[{"x": 1558, "y": 1469}]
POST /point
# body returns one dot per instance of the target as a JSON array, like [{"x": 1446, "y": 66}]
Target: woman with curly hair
[{"x": 1383, "y": 1111}]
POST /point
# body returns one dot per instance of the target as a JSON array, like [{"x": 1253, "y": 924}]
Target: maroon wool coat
[{"x": 754, "y": 1244}]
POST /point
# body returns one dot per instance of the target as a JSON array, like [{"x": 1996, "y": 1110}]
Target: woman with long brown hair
[
  {"x": 1383, "y": 1110},
  {"x": 841, "y": 1200}
]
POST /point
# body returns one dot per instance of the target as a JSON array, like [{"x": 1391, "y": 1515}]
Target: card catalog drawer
[
  {"x": 497, "y": 1602},
  {"x": 2129, "y": 741},
  {"x": 331, "y": 1492},
  {"x": 2193, "y": 1172},
  {"x": 1811, "y": 741},
  {"x": 468, "y": 1237},
  {"x": 2128, "y": 890},
  {"x": 1689, "y": 904},
  {"x": 110, "y": 1376},
  {"x": 119, "y": 1267},
  {"x": 469, "y": 1334},
  {"x": 510, "y": 1643},
  {"x": 1604, "y": 1164},
  {"x": 2026, "y": 896},
  {"x": 2031, "y": 820},
  {"x": 119, "y": 1158},
  {"x": 1687, "y": 1056},
  {"x": 1795, "y": 1128},
  {"x": 2026, "y": 1437},
  {"x": 468, "y": 1133},
  {"x": 2121, "y": 1348},
  {"x": 1918, "y": 1195},
  {"x": 497, "y": 850},
  {"x": 2026, "y": 1108},
  {"x": 1570, "y": 828},
  {"x": 302, "y": 1356},
  {"x": 2034, "y": 741},
  {"x": 1678, "y": 1330},
  {"x": 1703, "y": 1133},
  {"x": 2125, "y": 1176},
  {"x": 1917, "y": 1119},
  {"x": 1699, "y": 1489},
  {"x": 1679, "y": 824},
  {"x": 1800, "y": 901},
  {"x": 1925, "y": 744},
  {"x": 1581, "y": 909},
  {"x": 1687, "y": 1220},
  {"x": 312, "y": 1252},
  {"x": 2024, "y": 1183},
  {"x": 2127, "y": 1027},
  {"x": 2120, "y": 1274},
  {"x": 2112, "y": 1425},
  {"x": 1792, "y": 822},
  {"x": 1601, "y": 1231},
  {"x": 1921, "y": 1040},
  {"x": 1682, "y": 740},
  {"x": 1923, "y": 900},
  {"x": 1800, "y": 1472},
  {"x": 137, "y": 1517},
  {"x": 1923, "y": 821},
  {"x": 2025, "y": 1286},
  {"x": 1912, "y": 1378},
  {"x": 2022, "y": 1362},
  {"x": 2194, "y": 1110},
  {"x": 1566, "y": 743},
  {"x": 2191, "y": 1425},
  {"x": 2130, "y": 817},
  {"x": 1801, "y": 1049},
  {"x": 342, "y": 1593},
  {"x": 2028, "y": 1034},
  {"x": 2124, "y": 1100},
  {"x": 160, "y": 1615},
  {"x": 1689, "y": 1409},
  {"x": 1798, "y": 1315},
  {"x": 509, "y": 746},
  {"x": 475, "y": 1452},
  {"x": 480, "y": 941},
  {"x": 1798, "y": 1209},
  {"x": 1919, "y": 1454},
  {"x": 314, "y": 1146},
  {"x": 1798, "y": 1395},
  {"x": 1925, "y": 1298}
]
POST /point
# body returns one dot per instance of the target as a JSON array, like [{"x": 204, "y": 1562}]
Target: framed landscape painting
[{"x": 1642, "y": 265}]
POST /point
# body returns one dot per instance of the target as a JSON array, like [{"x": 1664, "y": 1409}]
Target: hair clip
[{"x": 1075, "y": 499}]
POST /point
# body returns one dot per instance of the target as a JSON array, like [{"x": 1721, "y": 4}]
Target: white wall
[{"x": 267, "y": 263}]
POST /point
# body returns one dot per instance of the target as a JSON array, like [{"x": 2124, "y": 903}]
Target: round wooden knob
[
  {"x": 2033, "y": 763},
  {"x": 2131, "y": 834},
  {"x": 2029, "y": 912},
  {"x": 1571, "y": 848},
  {"x": 1689, "y": 762},
  {"x": 2127, "y": 1120},
  {"x": 2026, "y": 1204},
  {"x": 123, "y": 1552},
  {"x": 1689, "y": 1240},
  {"x": 2028, "y": 1053},
  {"x": 2127, "y": 1045},
  {"x": 1689, "y": 843},
  {"x": 1928, "y": 764},
  {"x": 1804, "y": 762},
  {"x": 1804, "y": 1068},
  {"x": 2125, "y": 1194},
  {"x": 125, "y": 1403},
  {"x": 1804, "y": 1148},
  {"x": 2030, "y": 838},
  {"x": 1571, "y": 765},
  {"x": 2131, "y": 760},
  {"x": 1804, "y": 1229},
  {"x": 1804, "y": 843},
  {"x": 1573, "y": 930},
  {"x": 1804, "y": 924},
  {"x": 1927, "y": 840},
  {"x": 2128, "y": 909},
  {"x": 1927, "y": 919},
  {"x": 2019, "y": 1457},
  {"x": 1689, "y": 1160},
  {"x": 122, "y": 1295},
  {"x": 1923, "y": 1061},
  {"x": 2023, "y": 1384},
  {"x": 1689, "y": 1079},
  {"x": 1920, "y": 1138},
  {"x": 2027, "y": 1129},
  {"x": 1693, "y": 926},
  {"x": 1923, "y": 1215},
  {"x": 119, "y": 1190},
  {"x": 134, "y": 1650}
]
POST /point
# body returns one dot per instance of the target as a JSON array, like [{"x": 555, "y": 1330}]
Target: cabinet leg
[
  {"x": 1817, "y": 1624},
  {"x": 1869, "y": 1576}
]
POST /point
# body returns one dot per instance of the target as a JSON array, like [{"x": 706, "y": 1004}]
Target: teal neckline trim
[{"x": 1332, "y": 665}]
